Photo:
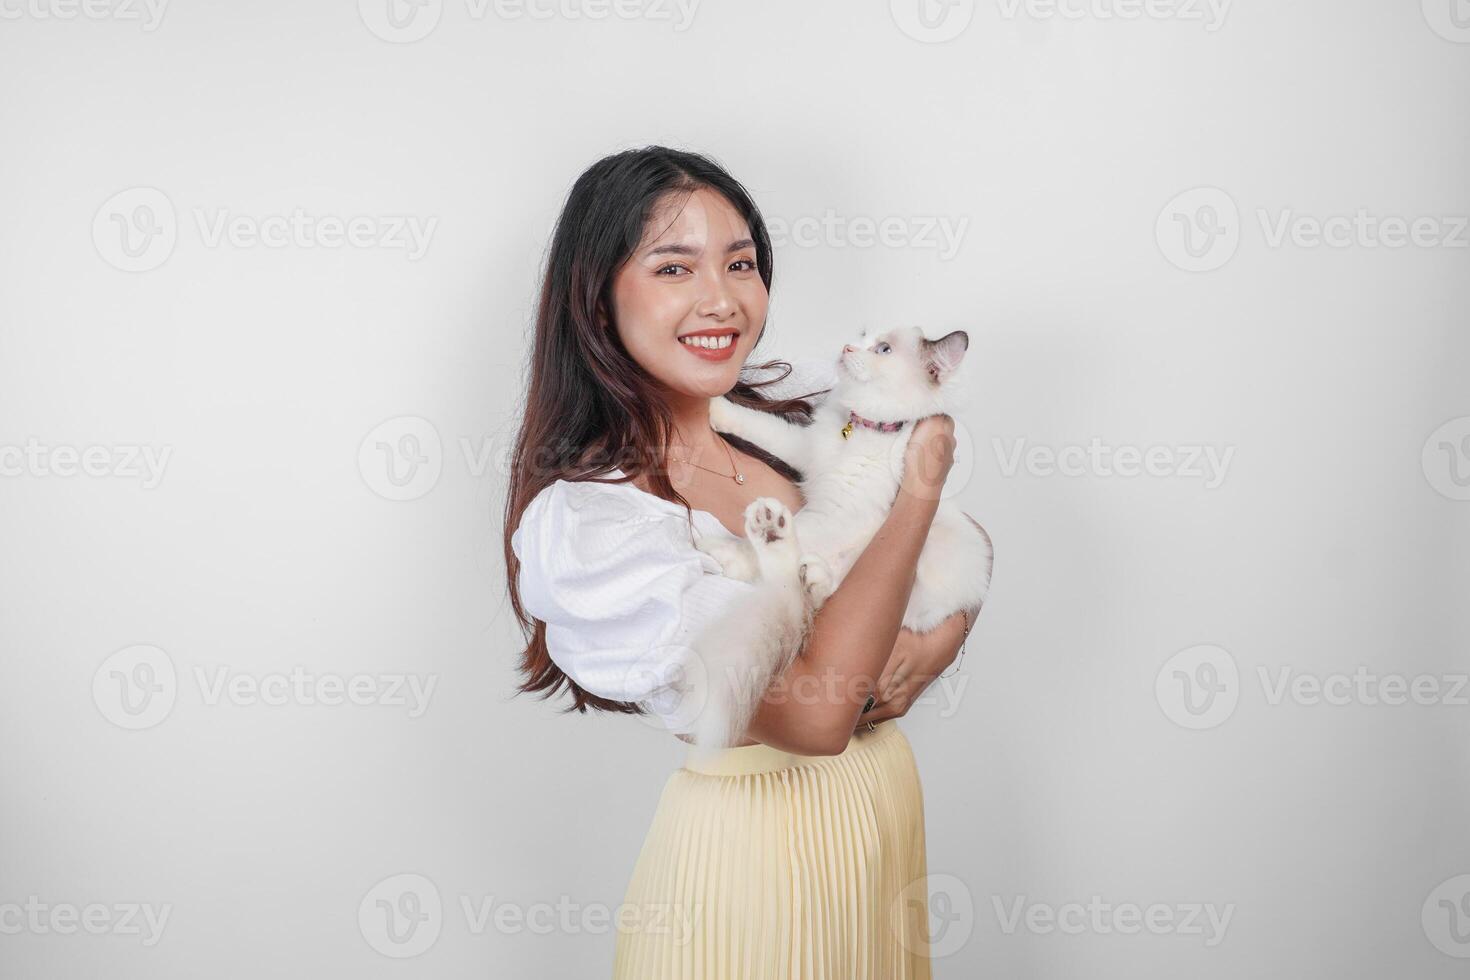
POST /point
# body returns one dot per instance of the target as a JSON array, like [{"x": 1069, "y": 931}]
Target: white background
[{"x": 1070, "y": 766}]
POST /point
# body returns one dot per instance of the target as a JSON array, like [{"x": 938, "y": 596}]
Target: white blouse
[{"x": 613, "y": 573}]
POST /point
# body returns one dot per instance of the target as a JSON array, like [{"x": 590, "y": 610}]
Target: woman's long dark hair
[{"x": 590, "y": 407}]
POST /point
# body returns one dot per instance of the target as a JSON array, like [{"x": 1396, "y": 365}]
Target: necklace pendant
[
  {"x": 847, "y": 430},
  {"x": 739, "y": 477}
]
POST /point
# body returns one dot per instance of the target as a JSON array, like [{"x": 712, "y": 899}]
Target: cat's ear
[{"x": 941, "y": 357}]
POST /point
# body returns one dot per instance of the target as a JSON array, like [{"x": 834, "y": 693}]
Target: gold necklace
[{"x": 738, "y": 477}]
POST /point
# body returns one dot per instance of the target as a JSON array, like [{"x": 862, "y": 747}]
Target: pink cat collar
[{"x": 853, "y": 418}]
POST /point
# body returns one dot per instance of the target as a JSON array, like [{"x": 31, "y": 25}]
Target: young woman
[{"x": 799, "y": 852}]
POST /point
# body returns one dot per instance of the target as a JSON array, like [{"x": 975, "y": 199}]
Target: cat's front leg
[
  {"x": 771, "y": 531},
  {"x": 784, "y": 440},
  {"x": 816, "y": 578},
  {"x": 735, "y": 555}
]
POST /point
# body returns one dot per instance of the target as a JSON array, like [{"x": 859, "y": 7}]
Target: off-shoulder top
[{"x": 613, "y": 572}]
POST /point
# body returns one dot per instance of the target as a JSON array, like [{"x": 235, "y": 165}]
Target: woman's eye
[
  {"x": 745, "y": 265},
  {"x": 673, "y": 266}
]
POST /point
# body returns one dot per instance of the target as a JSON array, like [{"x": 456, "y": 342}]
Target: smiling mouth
[{"x": 709, "y": 341}]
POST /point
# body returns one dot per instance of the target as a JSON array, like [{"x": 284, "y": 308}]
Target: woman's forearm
[{"x": 813, "y": 708}]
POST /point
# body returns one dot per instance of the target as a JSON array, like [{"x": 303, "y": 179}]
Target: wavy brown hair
[{"x": 590, "y": 408}]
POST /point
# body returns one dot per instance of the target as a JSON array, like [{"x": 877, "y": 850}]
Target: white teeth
[{"x": 709, "y": 343}]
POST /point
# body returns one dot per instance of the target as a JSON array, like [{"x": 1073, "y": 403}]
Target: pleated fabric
[{"x": 763, "y": 864}]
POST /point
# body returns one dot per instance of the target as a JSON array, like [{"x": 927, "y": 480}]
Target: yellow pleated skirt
[{"x": 762, "y": 864}]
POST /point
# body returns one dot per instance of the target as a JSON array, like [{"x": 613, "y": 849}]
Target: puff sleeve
[{"x": 614, "y": 575}]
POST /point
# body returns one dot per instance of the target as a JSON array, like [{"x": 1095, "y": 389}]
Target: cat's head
[{"x": 899, "y": 374}]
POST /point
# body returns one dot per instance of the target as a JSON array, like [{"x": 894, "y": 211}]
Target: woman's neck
[{"x": 693, "y": 439}]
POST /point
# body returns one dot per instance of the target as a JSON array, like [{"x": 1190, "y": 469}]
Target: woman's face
[{"x": 694, "y": 273}]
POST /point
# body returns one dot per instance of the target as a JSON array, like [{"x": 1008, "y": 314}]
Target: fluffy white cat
[{"x": 851, "y": 460}]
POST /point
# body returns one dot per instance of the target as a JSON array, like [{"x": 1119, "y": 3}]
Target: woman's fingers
[
  {"x": 895, "y": 705},
  {"x": 888, "y": 682}
]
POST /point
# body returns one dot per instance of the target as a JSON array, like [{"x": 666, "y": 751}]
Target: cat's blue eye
[{"x": 883, "y": 348}]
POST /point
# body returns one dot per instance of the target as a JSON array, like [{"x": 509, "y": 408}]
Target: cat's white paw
[
  {"x": 816, "y": 578},
  {"x": 736, "y": 557},
  {"x": 768, "y": 521},
  {"x": 771, "y": 531}
]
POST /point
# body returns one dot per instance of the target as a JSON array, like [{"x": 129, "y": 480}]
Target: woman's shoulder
[
  {"x": 592, "y": 517},
  {"x": 588, "y": 550}
]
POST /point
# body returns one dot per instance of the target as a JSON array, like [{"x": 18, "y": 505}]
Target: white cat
[{"x": 851, "y": 460}]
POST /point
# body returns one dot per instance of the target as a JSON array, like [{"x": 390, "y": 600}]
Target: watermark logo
[
  {"x": 138, "y": 686},
  {"x": 402, "y": 458},
  {"x": 1362, "y": 229},
  {"x": 1210, "y": 13},
  {"x": 301, "y": 687},
  {"x": 135, "y": 687},
  {"x": 934, "y": 915},
  {"x": 1207, "y": 464},
  {"x": 1199, "y": 230},
  {"x": 672, "y": 682},
  {"x": 569, "y": 918},
  {"x": 406, "y": 21},
  {"x": 962, "y": 467},
  {"x": 940, "y": 233},
  {"x": 135, "y": 230},
  {"x": 36, "y": 459},
  {"x": 408, "y": 233},
  {"x": 1363, "y": 687},
  {"x": 1450, "y": 19},
  {"x": 401, "y": 916},
  {"x": 40, "y": 918},
  {"x": 1446, "y": 459},
  {"x": 932, "y": 21},
  {"x": 680, "y": 13},
  {"x": 1207, "y": 921},
  {"x": 149, "y": 13},
  {"x": 400, "y": 21},
  {"x": 1446, "y": 917},
  {"x": 1198, "y": 687}
]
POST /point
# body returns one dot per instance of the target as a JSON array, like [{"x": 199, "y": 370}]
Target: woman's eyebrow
[
  {"x": 674, "y": 249},
  {"x": 677, "y": 249}
]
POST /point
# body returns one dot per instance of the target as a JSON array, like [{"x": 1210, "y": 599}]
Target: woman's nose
[{"x": 717, "y": 300}]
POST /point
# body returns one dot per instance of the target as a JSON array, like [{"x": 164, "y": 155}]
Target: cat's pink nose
[{"x": 848, "y": 348}]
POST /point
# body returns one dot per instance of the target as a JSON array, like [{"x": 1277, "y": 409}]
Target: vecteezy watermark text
[
  {"x": 403, "y": 915},
  {"x": 1200, "y": 687},
  {"x": 137, "y": 229},
  {"x": 137, "y": 687},
  {"x": 1200, "y": 230},
  {"x": 1205, "y": 920},
  {"x": 1210, "y": 13},
  {"x": 148, "y": 12},
  {"x": 941, "y": 233},
  {"x": 40, "y": 918},
  {"x": 406, "y": 21},
  {"x": 35, "y": 458},
  {"x": 1098, "y": 459}
]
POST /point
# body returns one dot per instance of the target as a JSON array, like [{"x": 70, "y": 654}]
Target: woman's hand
[
  {"x": 917, "y": 659},
  {"x": 928, "y": 457}
]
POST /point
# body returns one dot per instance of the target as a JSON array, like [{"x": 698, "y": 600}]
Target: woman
[{"x": 799, "y": 852}]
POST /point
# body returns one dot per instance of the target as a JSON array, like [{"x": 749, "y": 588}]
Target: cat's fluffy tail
[{"x": 740, "y": 652}]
